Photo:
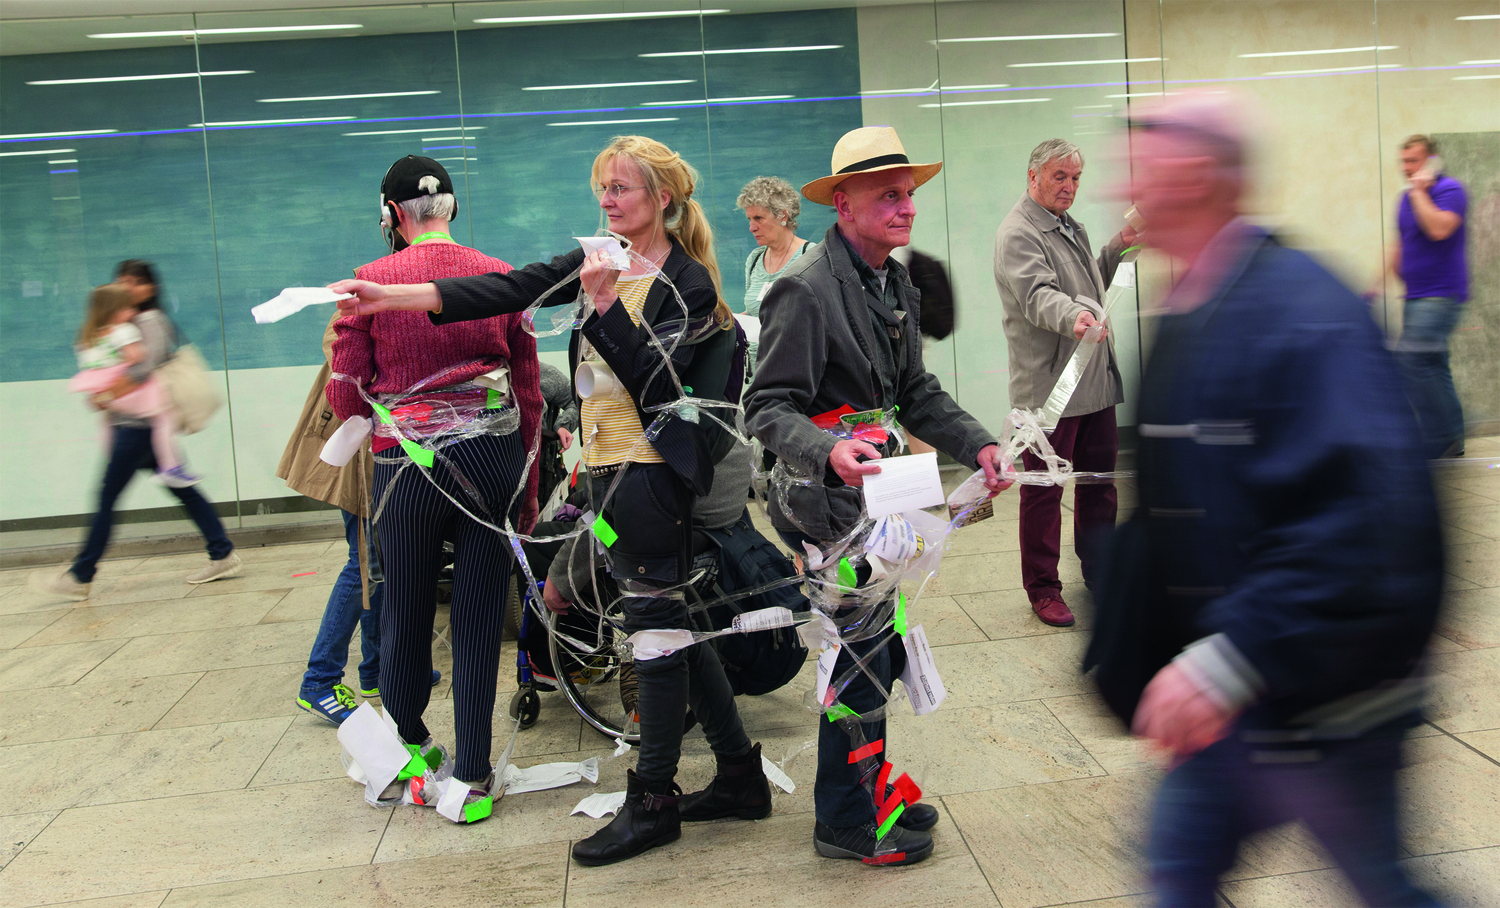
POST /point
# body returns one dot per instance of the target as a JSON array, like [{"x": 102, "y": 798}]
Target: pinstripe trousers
[{"x": 416, "y": 520}]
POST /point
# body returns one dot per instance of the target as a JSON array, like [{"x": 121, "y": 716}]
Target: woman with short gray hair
[{"x": 771, "y": 206}]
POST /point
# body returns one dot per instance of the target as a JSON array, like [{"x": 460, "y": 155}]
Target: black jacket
[
  {"x": 817, "y": 353},
  {"x": 690, "y": 449}
]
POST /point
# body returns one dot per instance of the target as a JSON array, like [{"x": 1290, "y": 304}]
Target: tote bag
[{"x": 193, "y": 394}]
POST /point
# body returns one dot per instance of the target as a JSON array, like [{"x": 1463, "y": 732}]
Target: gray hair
[
  {"x": 1051, "y": 150},
  {"x": 438, "y": 206},
  {"x": 773, "y": 194}
]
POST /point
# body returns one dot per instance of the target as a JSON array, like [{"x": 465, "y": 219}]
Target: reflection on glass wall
[{"x": 243, "y": 152}]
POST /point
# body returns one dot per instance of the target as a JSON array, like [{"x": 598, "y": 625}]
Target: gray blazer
[
  {"x": 816, "y": 354},
  {"x": 1040, "y": 273}
]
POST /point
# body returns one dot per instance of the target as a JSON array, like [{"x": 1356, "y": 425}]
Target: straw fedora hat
[{"x": 866, "y": 150}]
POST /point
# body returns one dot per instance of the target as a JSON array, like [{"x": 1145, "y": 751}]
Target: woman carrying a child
[{"x": 124, "y": 338}]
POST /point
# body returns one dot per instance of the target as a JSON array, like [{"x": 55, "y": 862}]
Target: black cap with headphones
[{"x": 412, "y": 177}]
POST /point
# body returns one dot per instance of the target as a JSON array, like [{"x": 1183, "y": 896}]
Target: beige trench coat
[
  {"x": 1040, "y": 273},
  {"x": 346, "y": 487}
]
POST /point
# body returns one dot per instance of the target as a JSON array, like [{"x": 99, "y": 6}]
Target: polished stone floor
[{"x": 153, "y": 756}]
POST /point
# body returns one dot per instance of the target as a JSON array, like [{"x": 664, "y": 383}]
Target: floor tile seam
[
  {"x": 1123, "y": 895},
  {"x": 567, "y": 872},
  {"x": 390, "y": 817},
  {"x": 84, "y": 676},
  {"x": 225, "y": 668},
  {"x": 970, "y": 849},
  {"x": 4, "y": 745},
  {"x": 290, "y": 721},
  {"x": 38, "y": 835},
  {"x": 1455, "y": 736},
  {"x": 129, "y": 637},
  {"x": 175, "y": 703},
  {"x": 41, "y": 630},
  {"x": 1082, "y": 746}
]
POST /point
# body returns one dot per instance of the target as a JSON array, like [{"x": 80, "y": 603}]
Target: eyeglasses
[{"x": 613, "y": 190}]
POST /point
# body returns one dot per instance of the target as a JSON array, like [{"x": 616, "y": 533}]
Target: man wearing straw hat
[{"x": 839, "y": 330}]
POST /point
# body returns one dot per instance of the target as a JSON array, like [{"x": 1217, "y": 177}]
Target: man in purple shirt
[{"x": 1429, "y": 260}]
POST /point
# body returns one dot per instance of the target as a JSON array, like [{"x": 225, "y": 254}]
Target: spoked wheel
[{"x": 596, "y": 681}]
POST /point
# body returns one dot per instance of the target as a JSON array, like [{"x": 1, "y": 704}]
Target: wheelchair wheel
[
  {"x": 526, "y": 705},
  {"x": 589, "y": 676}
]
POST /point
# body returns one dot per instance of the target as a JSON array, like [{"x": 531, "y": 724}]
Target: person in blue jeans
[
  {"x": 323, "y": 692},
  {"x": 1429, "y": 259},
  {"x": 130, "y": 450}
]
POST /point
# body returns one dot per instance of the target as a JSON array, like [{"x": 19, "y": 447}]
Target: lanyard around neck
[{"x": 429, "y": 235}]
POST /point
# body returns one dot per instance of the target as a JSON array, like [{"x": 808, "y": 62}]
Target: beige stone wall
[{"x": 1326, "y": 166}]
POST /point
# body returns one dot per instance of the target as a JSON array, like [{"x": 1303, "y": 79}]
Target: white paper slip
[
  {"x": 826, "y": 661},
  {"x": 617, "y": 254},
  {"x": 548, "y": 775},
  {"x": 923, "y": 686},
  {"x": 763, "y": 620},
  {"x": 598, "y": 805},
  {"x": 376, "y": 749},
  {"x": 903, "y": 484},
  {"x": 751, "y": 324},
  {"x": 778, "y": 778},
  {"x": 294, "y": 299}
]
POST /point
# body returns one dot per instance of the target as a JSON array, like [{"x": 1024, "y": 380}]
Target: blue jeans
[
  {"x": 129, "y": 451},
  {"x": 1346, "y": 795},
  {"x": 1422, "y": 352},
  {"x": 840, "y": 796},
  {"x": 345, "y": 609}
]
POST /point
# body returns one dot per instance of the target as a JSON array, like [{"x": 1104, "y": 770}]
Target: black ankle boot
[
  {"x": 739, "y": 789},
  {"x": 648, "y": 819}
]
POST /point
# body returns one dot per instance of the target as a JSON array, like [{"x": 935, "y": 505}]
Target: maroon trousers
[{"x": 1090, "y": 443}]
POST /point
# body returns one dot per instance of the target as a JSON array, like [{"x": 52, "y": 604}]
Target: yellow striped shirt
[{"x": 612, "y": 430}]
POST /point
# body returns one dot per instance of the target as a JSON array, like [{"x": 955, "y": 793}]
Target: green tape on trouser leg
[
  {"x": 901, "y": 614},
  {"x": 890, "y": 821},
  {"x": 839, "y": 711},
  {"x": 604, "y": 532}
]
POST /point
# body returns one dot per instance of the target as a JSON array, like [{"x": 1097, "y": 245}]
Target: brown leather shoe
[{"x": 1052, "y": 610}]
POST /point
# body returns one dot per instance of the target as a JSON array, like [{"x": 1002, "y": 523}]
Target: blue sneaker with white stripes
[{"x": 333, "y": 705}]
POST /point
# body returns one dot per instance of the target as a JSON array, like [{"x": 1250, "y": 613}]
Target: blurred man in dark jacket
[{"x": 1292, "y": 541}]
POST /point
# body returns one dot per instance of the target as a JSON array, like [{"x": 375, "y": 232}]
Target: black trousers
[
  {"x": 415, "y": 521},
  {"x": 651, "y": 510}
]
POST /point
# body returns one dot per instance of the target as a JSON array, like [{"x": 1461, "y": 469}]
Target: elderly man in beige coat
[{"x": 1043, "y": 265}]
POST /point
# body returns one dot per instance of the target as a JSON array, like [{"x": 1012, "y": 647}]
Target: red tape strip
[
  {"x": 885, "y": 858},
  {"x": 891, "y": 803},
  {"x": 908, "y": 789},
  {"x": 883, "y": 778},
  {"x": 869, "y": 750}
]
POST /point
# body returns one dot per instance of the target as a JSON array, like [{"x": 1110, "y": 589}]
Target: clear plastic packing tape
[
  {"x": 1120, "y": 287},
  {"x": 864, "y": 586}
]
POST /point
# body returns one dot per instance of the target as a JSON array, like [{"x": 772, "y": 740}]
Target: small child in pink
[{"x": 108, "y": 345}]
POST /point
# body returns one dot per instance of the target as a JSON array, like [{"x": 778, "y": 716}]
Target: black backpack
[{"x": 763, "y": 661}]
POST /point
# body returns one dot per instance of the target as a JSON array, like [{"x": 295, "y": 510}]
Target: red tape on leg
[
  {"x": 891, "y": 803},
  {"x": 908, "y": 789},
  {"x": 882, "y": 779},
  {"x": 869, "y": 750}
]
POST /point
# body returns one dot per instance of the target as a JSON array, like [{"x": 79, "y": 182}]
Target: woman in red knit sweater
[{"x": 425, "y": 373}]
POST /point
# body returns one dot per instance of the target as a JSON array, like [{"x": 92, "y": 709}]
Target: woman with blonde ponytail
[{"x": 645, "y": 193}]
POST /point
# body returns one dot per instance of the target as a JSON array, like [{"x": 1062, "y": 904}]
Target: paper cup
[
  {"x": 596, "y": 380},
  {"x": 346, "y": 442}
]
